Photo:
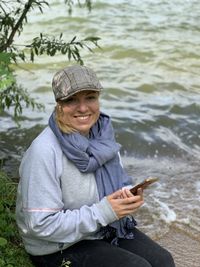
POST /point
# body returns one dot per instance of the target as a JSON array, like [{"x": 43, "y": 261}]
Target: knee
[{"x": 166, "y": 259}]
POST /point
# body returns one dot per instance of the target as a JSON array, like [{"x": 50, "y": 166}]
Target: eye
[
  {"x": 70, "y": 100},
  {"x": 92, "y": 97}
]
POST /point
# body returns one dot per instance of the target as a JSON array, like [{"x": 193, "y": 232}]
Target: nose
[{"x": 82, "y": 106}]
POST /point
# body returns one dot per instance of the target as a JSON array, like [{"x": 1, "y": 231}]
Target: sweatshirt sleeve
[{"x": 42, "y": 211}]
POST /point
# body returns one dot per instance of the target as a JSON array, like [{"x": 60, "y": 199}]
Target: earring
[{"x": 59, "y": 108}]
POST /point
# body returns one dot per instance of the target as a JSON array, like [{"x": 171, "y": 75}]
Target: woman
[{"x": 73, "y": 206}]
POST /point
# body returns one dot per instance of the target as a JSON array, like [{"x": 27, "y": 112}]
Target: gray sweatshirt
[{"x": 57, "y": 205}]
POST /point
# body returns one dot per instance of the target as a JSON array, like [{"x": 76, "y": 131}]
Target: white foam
[
  {"x": 166, "y": 213},
  {"x": 198, "y": 186}
]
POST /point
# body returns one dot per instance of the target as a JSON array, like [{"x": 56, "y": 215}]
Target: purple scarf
[{"x": 99, "y": 154}]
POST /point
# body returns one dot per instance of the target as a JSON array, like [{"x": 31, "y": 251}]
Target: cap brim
[{"x": 78, "y": 91}]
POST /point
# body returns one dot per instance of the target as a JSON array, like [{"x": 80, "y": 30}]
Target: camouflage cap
[{"x": 74, "y": 79}]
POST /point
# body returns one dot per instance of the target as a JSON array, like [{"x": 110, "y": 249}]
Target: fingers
[
  {"x": 124, "y": 202},
  {"x": 127, "y": 193},
  {"x": 140, "y": 193},
  {"x": 115, "y": 195},
  {"x": 122, "y": 208}
]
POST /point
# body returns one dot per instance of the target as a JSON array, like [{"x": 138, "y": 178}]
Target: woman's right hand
[{"x": 124, "y": 202}]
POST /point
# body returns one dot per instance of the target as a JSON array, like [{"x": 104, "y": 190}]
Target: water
[{"x": 149, "y": 65}]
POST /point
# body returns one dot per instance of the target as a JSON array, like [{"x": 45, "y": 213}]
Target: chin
[{"x": 83, "y": 131}]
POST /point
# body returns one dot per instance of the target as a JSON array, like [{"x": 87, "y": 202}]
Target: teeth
[{"x": 83, "y": 117}]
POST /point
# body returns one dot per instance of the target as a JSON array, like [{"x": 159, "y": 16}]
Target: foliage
[
  {"x": 65, "y": 263},
  {"x": 13, "y": 18},
  {"x": 70, "y": 3},
  {"x": 7, "y": 77},
  {"x": 12, "y": 253},
  {"x": 11, "y": 94},
  {"x": 44, "y": 45}
]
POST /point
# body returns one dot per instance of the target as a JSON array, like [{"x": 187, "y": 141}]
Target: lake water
[{"x": 149, "y": 65}]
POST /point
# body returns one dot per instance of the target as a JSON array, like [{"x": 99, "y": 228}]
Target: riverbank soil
[{"x": 185, "y": 249}]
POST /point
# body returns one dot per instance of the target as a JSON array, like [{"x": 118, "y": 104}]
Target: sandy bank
[{"x": 185, "y": 249}]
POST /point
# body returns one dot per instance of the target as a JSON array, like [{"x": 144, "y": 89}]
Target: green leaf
[
  {"x": 6, "y": 76},
  {"x": 3, "y": 242},
  {"x": 73, "y": 39},
  {"x": 92, "y": 38},
  {"x": 5, "y": 58}
]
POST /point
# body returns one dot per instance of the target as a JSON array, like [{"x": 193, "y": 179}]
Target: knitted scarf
[{"x": 99, "y": 153}]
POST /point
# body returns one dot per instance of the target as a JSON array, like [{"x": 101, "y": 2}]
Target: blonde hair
[{"x": 65, "y": 128}]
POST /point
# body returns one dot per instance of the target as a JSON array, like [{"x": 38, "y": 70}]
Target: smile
[{"x": 85, "y": 117}]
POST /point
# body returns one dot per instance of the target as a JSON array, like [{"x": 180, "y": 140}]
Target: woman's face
[{"x": 81, "y": 110}]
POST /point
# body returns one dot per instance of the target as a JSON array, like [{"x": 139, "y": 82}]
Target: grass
[{"x": 12, "y": 253}]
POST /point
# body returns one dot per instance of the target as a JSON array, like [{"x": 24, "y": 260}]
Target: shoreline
[{"x": 184, "y": 248}]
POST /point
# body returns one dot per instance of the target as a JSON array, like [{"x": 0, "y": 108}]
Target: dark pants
[{"x": 138, "y": 252}]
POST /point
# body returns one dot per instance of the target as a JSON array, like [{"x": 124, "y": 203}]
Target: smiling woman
[
  {"x": 58, "y": 221},
  {"x": 76, "y": 91},
  {"x": 78, "y": 112}
]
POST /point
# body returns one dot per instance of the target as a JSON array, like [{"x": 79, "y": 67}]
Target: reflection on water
[{"x": 149, "y": 65}]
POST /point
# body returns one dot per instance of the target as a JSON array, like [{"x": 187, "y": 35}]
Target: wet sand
[{"x": 184, "y": 248}]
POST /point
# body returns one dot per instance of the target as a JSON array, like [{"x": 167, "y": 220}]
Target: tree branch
[{"x": 17, "y": 25}]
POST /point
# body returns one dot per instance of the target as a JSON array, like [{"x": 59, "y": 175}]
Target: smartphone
[{"x": 143, "y": 184}]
